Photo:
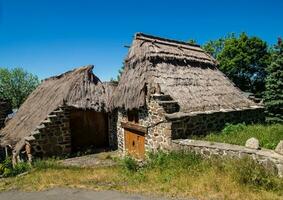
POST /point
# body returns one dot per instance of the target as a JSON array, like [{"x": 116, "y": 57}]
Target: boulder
[
  {"x": 279, "y": 147},
  {"x": 252, "y": 143}
]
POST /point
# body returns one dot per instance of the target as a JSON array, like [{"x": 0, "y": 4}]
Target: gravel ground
[{"x": 93, "y": 160}]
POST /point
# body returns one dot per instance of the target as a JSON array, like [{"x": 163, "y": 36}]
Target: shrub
[
  {"x": 7, "y": 169},
  {"x": 130, "y": 164},
  {"x": 233, "y": 128}
]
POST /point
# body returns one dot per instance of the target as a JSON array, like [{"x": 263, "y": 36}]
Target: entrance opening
[{"x": 89, "y": 130}]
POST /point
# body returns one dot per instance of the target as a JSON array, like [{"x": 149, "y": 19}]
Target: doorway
[{"x": 89, "y": 130}]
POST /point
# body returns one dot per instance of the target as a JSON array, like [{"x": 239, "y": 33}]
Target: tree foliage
[
  {"x": 243, "y": 59},
  {"x": 274, "y": 86},
  {"x": 16, "y": 84},
  {"x": 192, "y": 41}
]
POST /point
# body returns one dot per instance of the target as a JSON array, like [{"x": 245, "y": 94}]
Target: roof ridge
[
  {"x": 85, "y": 67},
  {"x": 139, "y": 35}
]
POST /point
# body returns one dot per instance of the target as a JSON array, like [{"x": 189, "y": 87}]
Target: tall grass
[
  {"x": 166, "y": 167},
  {"x": 175, "y": 174},
  {"x": 268, "y": 135}
]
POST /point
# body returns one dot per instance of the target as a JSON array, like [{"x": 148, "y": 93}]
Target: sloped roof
[
  {"x": 184, "y": 71},
  {"x": 78, "y": 88}
]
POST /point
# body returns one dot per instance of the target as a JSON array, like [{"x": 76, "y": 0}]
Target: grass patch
[
  {"x": 268, "y": 135},
  {"x": 175, "y": 174}
]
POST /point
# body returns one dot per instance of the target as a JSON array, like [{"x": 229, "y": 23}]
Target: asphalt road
[{"x": 72, "y": 194}]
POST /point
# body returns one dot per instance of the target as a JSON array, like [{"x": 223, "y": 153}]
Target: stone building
[
  {"x": 65, "y": 114},
  {"x": 173, "y": 90},
  {"x": 169, "y": 90}
]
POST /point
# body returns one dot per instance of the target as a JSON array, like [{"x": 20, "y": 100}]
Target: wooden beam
[{"x": 135, "y": 127}]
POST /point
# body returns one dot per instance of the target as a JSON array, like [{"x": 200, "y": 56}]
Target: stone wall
[
  {"x": 112, "y": 129},
  {"x": 53, "y": 136},
  {"x": 200, "y": 124},
  {"x": 268, "y": 158},
  {"x": 5, "y": 109},
  {"x": 151, "y": 116}
]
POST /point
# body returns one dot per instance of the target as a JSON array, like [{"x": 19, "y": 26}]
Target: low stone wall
[
  {"x": 199, "y": 124},
  {"x": 268, "y": 158}
]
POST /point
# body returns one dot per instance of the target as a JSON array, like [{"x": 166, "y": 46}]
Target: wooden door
[
  {"x": 134, "y": 143},
  {"x": 89, "y": 129}
]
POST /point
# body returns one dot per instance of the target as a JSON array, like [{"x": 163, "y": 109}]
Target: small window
[{"x": 133, "y": 116}]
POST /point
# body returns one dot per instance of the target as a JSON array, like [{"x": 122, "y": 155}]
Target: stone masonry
[
  {"x": 152, "y": 116},
  {"x": 112, "y": 129},
  {"x": 161, "y": 129},
  {"x": 268, "y": 158},
  {"x": 53, "y": 136},
  {"x": 203, "y": 123}
]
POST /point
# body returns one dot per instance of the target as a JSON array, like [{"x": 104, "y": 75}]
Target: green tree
[
  {"x": 244, "y": 60},
  {"x": 192, "y": 41},
  {"x": 16, "y": 84},
  {"x": 273, "y": 97},
  {"x": 214, "y": 47}
]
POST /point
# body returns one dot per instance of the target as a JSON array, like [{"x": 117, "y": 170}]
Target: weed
[{"x": 130, "y": 164}]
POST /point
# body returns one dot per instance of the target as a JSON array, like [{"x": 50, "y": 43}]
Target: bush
[
  {"x": 231, "y": 128},
  {"x": 7, "y": 169}
]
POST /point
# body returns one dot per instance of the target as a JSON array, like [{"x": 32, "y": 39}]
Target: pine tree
[{"x": 274, "y": 86}]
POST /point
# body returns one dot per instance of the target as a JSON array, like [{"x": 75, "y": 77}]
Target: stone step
[
  {"x": 35, "y": 132},
  {"x": 41, "y": 126},
  {"x": 161, "y": 97},
  {"x": 51, "y": 116},
  {"x": 46, "y": 121},
  {"x": 169, "y": 106},
  {"x": 56, "y": 111},
  {"x": 167, "y": 102}
]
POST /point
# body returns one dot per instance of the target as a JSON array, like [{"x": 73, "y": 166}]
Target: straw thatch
[
  {"x": 79, "y": 88},
  {"x": 183, "y": 71}
]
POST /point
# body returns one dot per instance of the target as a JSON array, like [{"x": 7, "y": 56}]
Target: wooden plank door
[{"x": 134, "y": 143}]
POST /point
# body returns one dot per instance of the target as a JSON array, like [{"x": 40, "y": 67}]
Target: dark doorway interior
[{"x": 89, "y": 130}]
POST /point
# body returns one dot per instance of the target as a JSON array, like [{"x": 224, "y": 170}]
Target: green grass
[
  {"x": 175, "y": 174},
  {"x": 268, "y": 135}
]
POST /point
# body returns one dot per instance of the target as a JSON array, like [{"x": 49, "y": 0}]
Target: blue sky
[{"x": 48, "y": 37}]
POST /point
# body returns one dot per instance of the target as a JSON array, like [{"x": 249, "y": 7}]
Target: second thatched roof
[{"x": 184, "y": 71}]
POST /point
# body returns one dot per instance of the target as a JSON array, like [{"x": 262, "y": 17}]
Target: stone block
[
  {"x": 279, "y": 147},
  {"x": 252, "y": 143}
]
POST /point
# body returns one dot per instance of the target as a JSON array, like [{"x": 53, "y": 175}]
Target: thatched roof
[
  {"x": 78, "y": 88},
  {"x": 184, "y": 71}
]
